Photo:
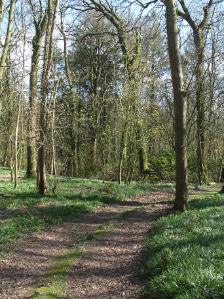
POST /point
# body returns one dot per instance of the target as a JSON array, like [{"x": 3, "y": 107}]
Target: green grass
[
  {"x": 101, "y": 230},
  {"x": 185, "y": 257},
  {"x": 23, "y": 210}
]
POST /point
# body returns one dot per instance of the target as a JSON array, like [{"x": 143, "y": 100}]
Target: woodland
[{"x": 111, "y": 123}]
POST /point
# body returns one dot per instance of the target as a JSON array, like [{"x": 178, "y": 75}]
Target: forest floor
[
  {"x": 85, "y": 242},
  {"x": 98, "y": 255}
]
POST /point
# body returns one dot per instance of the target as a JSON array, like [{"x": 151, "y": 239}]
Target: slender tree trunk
[
  {"x": 47, "y": 67},
  {"x": 94, "y": 155},
  {"x": 200, "y": 103},
  {"x": 31, "y": 159},
  {"x": 142, "y": 150},
  {"x": 16, "y": 148},
  {"x": 123, "y": 150},
  {"x": 199, "y": 30},
  {"x": 75, "y": 105},
  {"x": 180, "y": 102},
  {"x": 143, "y": 159},
  {"x": 5, "y": 155},
  {"x": 221, "y": 172},
  {"x": 40, "y": 28},
  {"x": 2, "y": 4},
  {"x": 8, "y": 38},
  {"x": 16, "y": 166},
  {"x": 11, "y": 159},
  {"x": 53, "y": 159}
]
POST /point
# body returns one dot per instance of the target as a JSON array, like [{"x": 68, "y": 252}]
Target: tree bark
[
  {"x": 33, "y": 94},
  {"x": 2, "y": 4},
  {"x": 200, "y": 104},
  {"x": 16, "y": 148},
  {"x": 46, "y": 73},
  {"x": 8, "y": 38},
  {"x": 180, "y": 103}
]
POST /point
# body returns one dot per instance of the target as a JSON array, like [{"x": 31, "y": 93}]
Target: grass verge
[{"x": 185, "y": 257}]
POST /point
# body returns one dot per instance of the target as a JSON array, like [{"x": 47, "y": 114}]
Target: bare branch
[
  {"x": 146, "y": 5},
  {"x": 186, "y": 15}
]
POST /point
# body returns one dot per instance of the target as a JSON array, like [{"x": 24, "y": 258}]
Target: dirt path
[{"x": 110, "y": 269}]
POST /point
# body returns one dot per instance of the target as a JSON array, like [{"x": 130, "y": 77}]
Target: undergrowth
[{"x": 186, "y": 252}]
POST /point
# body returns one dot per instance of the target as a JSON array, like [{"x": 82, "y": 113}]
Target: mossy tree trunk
[
  {"x": 2, "y": 6},
  {"x": 200, "y": 104},
  {"x": 40, "y": 27},
  {"x": 180, "y": 104},
  {"x": 46, "y": 74}
]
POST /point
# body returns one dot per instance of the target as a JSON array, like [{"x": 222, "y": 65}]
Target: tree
[
  {"x": 199, "y": 35},
  {"x": 46, "y": 74},
  {"x": 180, "y": 103},
  {"x": 2, "y": 4},
  {"x": 8, "y": 36},
  {"x": 132, "y": 68},
  {"x": 40, "y": 20},
  {"x": 97, "y": 100},
  {"x": 93, "y": 60}
]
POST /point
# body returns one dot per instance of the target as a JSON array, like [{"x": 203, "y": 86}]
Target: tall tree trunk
[
  {"x": 200, "y": 103},
  {"x": 21, "y": 98},
  {"x": 2, "y": 4},
  {"x": 142, "y": 149},
  {"x": 40, "y": 27},
  {"x": 31, "y": 135},
  {"x": 94, "y": 153},
  {"x": 143, "y": 159},
  {"x": 46, "y": 73},
  {"x": 180, "y": 103},
  {"x": 53, "y": 158},
  {"x": 16, "y": 147},
  {"x": 123, "y": 150},
  {"x": 5, "y": 155},
  {"x": 8, "y": 38},
  {"x": 199, "y": 30},
  {"x": 11, "y": 159},
  {"x": 74, "y": 102}
]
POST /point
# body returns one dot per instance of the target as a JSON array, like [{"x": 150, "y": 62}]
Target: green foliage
[
  {"x": 162, "y": 166},
  {"x": 185, "y": 253},
  {"x": 192, "y": 167},
  {"x": 213, "y": 165}
]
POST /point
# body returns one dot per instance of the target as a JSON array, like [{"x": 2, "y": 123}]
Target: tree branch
[
  {"x": 186, "y": 15},
  {"x": 146, "y": 5}
]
